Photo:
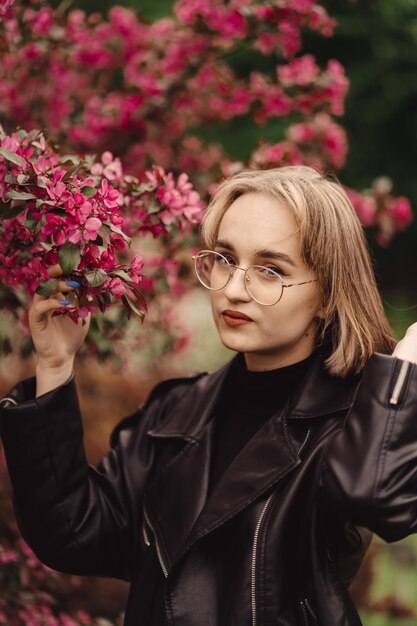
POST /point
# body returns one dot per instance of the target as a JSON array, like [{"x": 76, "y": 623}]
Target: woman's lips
[{"x": 234, "y": 318}]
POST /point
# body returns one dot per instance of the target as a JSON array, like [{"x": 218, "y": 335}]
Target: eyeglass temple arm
[{"x": 303, "y": 283}]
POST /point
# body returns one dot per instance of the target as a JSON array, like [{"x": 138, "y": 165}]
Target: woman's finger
[
  {"x": 66, "y": 286},
  {"x": 62, "y": 286},
  {"x": 41, "y": 307}
]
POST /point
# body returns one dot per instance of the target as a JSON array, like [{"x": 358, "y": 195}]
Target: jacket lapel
[
  {"x": 175, "y": 497},
  {"x": 263, "y": 462},
  {"x": 176, "y": 500}
]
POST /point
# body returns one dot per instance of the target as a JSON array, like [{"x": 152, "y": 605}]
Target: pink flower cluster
[
  {"x": 378, "y": 208},
  {"x": 173, "y": 77},
  {"x": 276, "y": 25},
  {"x": 299, "y": 146},
  {"x": 81, "y": 213},
  {"x": 178, "y": 203},
  {"x": 5, "y": 7},
  {"x": 147, "y": 92},
  {"x": 27, "y": 587}
]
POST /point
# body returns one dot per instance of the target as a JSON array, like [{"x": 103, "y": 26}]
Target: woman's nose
[{"x": 235, "y": 289}]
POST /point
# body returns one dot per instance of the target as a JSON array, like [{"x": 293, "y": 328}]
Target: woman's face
[{"x": 282, "y": 334}]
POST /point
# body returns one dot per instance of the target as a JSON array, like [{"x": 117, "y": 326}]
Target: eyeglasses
[{"x": 264, "y": 284}]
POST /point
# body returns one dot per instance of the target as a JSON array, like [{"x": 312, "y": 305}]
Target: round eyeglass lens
[
  {"x": 212, "y": 269},
  {"x": 263, "y": 284}
]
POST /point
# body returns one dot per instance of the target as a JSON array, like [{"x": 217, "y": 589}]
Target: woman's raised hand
[
  {"x": 57, "y": 339},
  {"x": 406, "y": 349}
]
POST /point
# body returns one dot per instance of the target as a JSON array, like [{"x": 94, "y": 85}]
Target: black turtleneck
[{"x": 247, "y": 400}]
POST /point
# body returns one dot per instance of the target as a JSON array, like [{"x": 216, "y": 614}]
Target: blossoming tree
[
  {"x": 145, "y": 91},
  {"x": 129, "y": 103}
]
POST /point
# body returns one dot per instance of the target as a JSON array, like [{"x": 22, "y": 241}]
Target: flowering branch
[{"x": 81, "y": 213}]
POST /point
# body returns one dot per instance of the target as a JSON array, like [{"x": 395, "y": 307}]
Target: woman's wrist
[{"x": 50, "y": 376}]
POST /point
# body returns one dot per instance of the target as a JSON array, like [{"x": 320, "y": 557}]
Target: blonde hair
[{"x": 333, "y": 245}]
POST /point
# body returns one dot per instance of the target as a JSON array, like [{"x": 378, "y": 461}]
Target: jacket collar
[{"x": 318, "y": 394}]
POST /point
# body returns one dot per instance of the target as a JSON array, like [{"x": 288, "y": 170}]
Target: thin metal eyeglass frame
[{"x": 246, "y": 280}]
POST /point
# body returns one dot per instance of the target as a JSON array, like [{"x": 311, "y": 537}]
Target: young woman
[{"x": 245, "y": 497}]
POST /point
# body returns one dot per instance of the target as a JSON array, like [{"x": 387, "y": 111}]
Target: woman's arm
[
  {"x": 371, "y": 463},
  {"x": 76, "y": 518}
]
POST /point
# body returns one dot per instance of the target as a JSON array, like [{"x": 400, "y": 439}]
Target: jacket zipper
[
  {"x": 256, "y": 537},
  {"x": 399, "y": 385},
  {"x": 254, "y": 551},
  {"x": 158, "y": 550},
  {"x": 145, "y": 533},
  {"x": 308, "y": 612}
]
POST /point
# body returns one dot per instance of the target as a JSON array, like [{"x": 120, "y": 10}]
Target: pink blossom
[
  {"x": 41, "y": 21},
  {"x": 4, "y": 6},
  {"x": 108, "y": 259},
  {"x": 400, "y": 209},
  {"x": 364, "y": 206},
  {"x": 91, "y": 226},
  {"x": 301, "y": 71},
  {"x": 116, "y": 286},
  {"x": 8, "y": 556},
  {"x": 136, "y": 265},
  {"x": 56, "y": 227}
]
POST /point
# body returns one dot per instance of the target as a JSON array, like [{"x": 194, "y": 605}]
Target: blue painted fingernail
[
  {"x": 65, "y": 302},
  {"x": 73, "y": 283}
]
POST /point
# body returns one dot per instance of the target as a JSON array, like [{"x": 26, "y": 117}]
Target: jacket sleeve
[
  {"x": 371, "y": 464},
  {"x": 77, "y": 519}
]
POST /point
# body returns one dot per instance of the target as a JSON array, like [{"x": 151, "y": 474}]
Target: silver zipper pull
[
  {"x": 309, "y": 614},
  {"x": 398, "y": 387},
  {"x": 145, "y": 533},
  {"x": 158, "y": 549}
]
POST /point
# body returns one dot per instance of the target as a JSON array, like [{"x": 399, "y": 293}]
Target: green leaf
[
  {"x": 134, "y": 306},
  {"x": 122, "y": 274},
  {"x": 88, "y": 192},
  {"x": 31, "y": 224},
  {"x": 20, "y": 195},
  {"x": 72, "y": 170},
  {"x": 153, "y": 207},
  {"x": 69, "y": 256},
  {"x": 96, "y": 277},
  {"x": 117, "y": 230},
  {"x": 46, "y": 246},
  {"x": 35, "y": 134},
  {"x": 144, "y": 187},
  {"x": 105, "y": 233},
  {"x": 12, "y": 157},
  {"x": 22, "y": 133},
  {"x": 10, "y": 179},
  {"x": 69, "y": 158},
  {"x": 47, "y": 287}
]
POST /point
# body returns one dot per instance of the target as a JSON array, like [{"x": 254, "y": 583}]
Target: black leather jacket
[{"x": 281, "y": 534}]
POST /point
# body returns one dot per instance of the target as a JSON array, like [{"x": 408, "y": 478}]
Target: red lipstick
[{"x": 235, "y": 318}]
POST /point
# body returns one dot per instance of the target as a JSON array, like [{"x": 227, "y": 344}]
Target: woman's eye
[
  {"x": 225, "y": 257},
  {"x": 271, "y": 270}
]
